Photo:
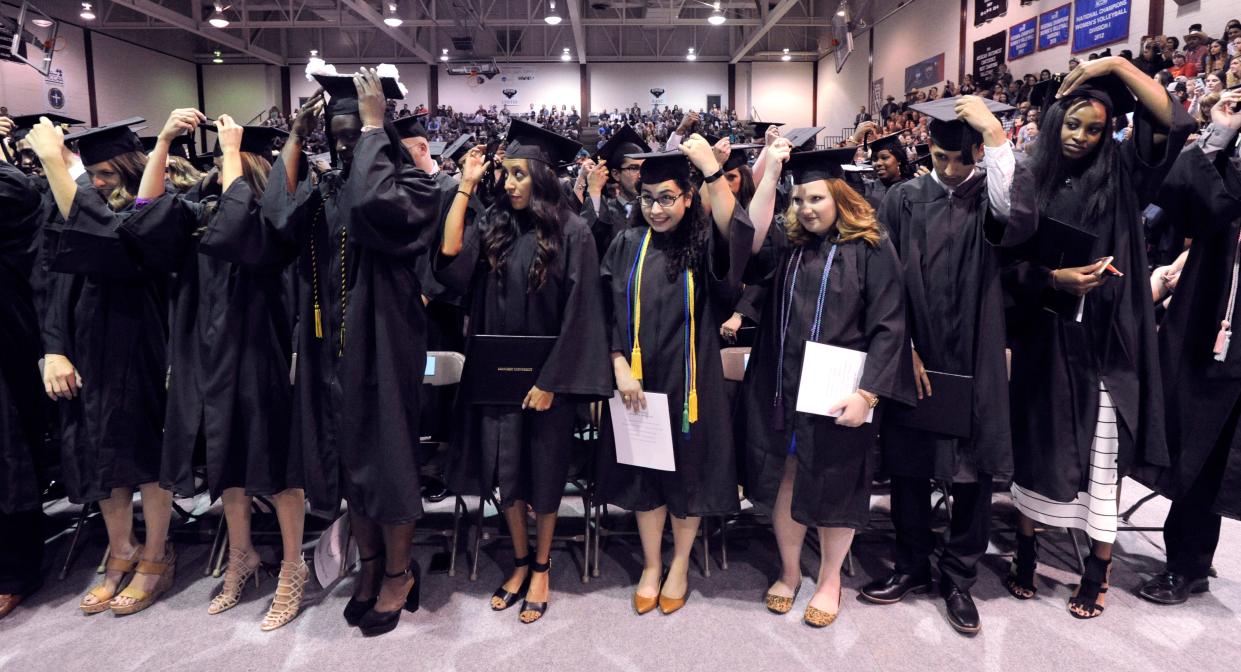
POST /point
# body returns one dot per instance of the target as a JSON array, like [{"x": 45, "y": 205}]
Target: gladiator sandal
[
  {"x": 1087, "y": 600},
  {"x": 1020, "y": 579},
  {"x": 289, "y": 591},
  {"x": 235, "y": 577}
]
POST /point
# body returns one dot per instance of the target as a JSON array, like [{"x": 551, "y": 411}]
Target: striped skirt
[{"x": 1093, "y": 511}]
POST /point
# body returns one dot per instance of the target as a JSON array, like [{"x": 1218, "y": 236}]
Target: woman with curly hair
[
  {"x": 667, "y": 278},
  {"x": 528, "y": 268},
  {"x": 833, "y": 277}
]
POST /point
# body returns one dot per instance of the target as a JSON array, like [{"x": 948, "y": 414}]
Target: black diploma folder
[
  {"x": 949, "y": 410},
  {"x": 500, "y": 370},
  {"x": 1061, "y": 245}
]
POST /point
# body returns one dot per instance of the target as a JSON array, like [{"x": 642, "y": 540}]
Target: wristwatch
[
  {"x": 714, "y": 176},
  {"x": 871, "y": 400},
  {"x": 370, "y": 128}
]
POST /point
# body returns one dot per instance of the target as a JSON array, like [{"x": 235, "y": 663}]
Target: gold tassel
[
  {"x": 318, "y": 322},
  {"x": 693, "y": 405},
  {"x": 635, "y": 363}
]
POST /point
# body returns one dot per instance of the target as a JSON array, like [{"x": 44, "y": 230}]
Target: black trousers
[
  {"x": 21, "y": 552},
  {"x": 1191, "y": 531},
  {"x": 967, "y": 535}
]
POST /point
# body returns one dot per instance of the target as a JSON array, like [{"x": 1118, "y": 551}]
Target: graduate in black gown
[
  {"x": 1200, "y": 360},
  {"x": 1086, "y": 398},
  {"x": 361, "y": 330},
  {"x": 528, "y": 267},
  {"x": 833, "y": 277},
  {"x": 892, "y": 167},
  {"x": 608, "y": 215},
  {"x": 667, "y": 279},
  {"x": 229, "y": 352},
  {"x": 105, "y": 357},
  {"x": 939, "y": 224},
  {"x": 21, "y": 400}
]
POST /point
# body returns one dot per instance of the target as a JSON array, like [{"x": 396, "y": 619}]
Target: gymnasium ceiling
[{"x": 475, "y": 31}]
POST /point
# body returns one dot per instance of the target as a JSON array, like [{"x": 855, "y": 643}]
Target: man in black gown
[
  {"x": 606, "y": 215},
  {"x": 1202, "y": 384},
  {"x": 952, "y": 280}
]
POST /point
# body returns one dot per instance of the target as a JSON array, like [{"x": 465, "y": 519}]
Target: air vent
[{"x": 464, "y": 44}]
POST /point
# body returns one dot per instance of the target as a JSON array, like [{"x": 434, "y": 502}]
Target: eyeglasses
[
  {"x": 632, "y": 169},
  {"x": 664, "y": 200}
]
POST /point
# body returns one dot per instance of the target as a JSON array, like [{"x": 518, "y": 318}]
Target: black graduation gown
[
  {"x": 956, "y": 322},
  {"x": 527, "y": 454},
  {"x": 864, "y": 310},
  {"x": 356, "y": 402},
  {"x": 21, "y": 389},
  {"x": 110, "y": 318},
  {"x": 875, "y": 190},
  {"x": 1057, "y": 363},
  {"x": 231, "y": 343},
  {"x": 1201, "y": 394},
  {"x": 607, "y": 222},
  {"x": 705, "y": 480}
]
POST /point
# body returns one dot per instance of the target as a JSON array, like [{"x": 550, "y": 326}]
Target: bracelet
[
  {"x": 1053, "y": 280},
  {"x": 710, "y": 179},
  {"x": 466, "y": 193},
  {"x": 871, "y": 400}
]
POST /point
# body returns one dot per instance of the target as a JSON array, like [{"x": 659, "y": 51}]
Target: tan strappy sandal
[
  {"x": 164, "y": 569},
  {"x": 289, "y": 592},
  {"x": 103, "y": 596},
  {"x": 235, "y": 578}
]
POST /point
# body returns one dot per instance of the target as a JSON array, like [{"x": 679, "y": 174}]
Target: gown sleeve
[
  {"x": 753, "y": 300},
  {"x": 286, "y": 214},
  {"x": 579, "y": 364},
  {"x": 160, "y": 234},
  {"x": 1195, "y": 196},
  {"x": 88, "y": 241},
  {"x": 456, "y": 273},
  {"x": 729, "y": 257},
  {"x": 613, "y": 268},
  {"x": 19, "y": 201},
  {"x": 390, "y": 202},
  {"x": 236, "y": 232},
  {"x": 1147, "y": 159},
  {"x": 889, "y": 371}
]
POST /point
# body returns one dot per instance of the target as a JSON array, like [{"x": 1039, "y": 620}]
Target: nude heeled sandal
[
  {"x": 290, "y": 589},
  {"x": 235, "y": 578}
]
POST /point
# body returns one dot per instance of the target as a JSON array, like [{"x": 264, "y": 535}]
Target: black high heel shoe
[
  {"x": 509, "y": 599},
  {"x": 356, "y": 609},
  {"x": 381, "y": 622},
  {"x": 535, "y": 608}
]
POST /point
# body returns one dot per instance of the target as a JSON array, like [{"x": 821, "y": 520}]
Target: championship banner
[
  {"x": 1021, "y": 39},
  {"x": 1053, "y": 27},
  {"x": 1099, "y": 22},
  {"x": 988, "y": 56}
]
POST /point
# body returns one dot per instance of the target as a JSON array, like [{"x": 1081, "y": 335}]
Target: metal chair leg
[
  {"x": 706, "y": 547},
  {"x": 1077, "y": 552},
  {"x": 849, "y": 570},
  {"x": 587, "y": 503},
  {"x": 218, "y": 571},
  {"x": 458, "y": 511},
  {"x": 215, "y": 546},
  {"x": 598, "y": 533},
  {"x": 724, "y": 543},
  {"x": 103, "y": 561},
  {"x": 478, "y": 538},
  {"x": 73, "y": 543}
]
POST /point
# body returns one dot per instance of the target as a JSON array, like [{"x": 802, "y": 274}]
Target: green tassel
[{"x": 685, "y": 419}]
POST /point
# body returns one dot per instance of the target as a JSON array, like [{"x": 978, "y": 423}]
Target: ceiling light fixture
[
  {"x": 444, "y": 56},
  {"x": 390, "y": 17},
  {"x": 42, "y": 22},
  {"x": 717, "y": 17},
  {"x": 217, "y": 58},
  {"x": 87, "y": 12},
  {"x": 785, "y": 56},
  {"x": 314, "y": 53},
  {"x": 217, "y": 18},
  {"x": 552, "y": 17},
  {"x": 565, "y": 56},
  {"x": 690, "y": 55}
]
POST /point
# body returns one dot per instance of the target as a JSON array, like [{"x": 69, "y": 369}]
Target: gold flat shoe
[
  {"x": 779, "y": 604},
  {"x": 817, "y": 618}
]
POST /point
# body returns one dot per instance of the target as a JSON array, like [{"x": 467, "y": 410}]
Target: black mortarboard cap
[
  {"x": 1109, "y": 90},
  {"x": 624, "y": 141},
  {"x": 662, "y": 166},
  {"x": 343, "y": 94},
  {"x": 947, "y": 131},
  {"x": 410, "y": 127},
  {"x": 891, "y": 143},
  {"x": 803, "y": 139},
  {"x": 760, "y": 127},
  {"x": 254, "y": 139},
  {"x": 739, "y": 155},
  {"x": 819, "y": 164},
  {"x": 182, "y": 146},
  {"x": 531, "y": 141},
  {"x": 1043, "y": 93},
  {"x": 28, "y": 121},
  {"x": 436, "y": 149},
  {"x": 458, "y": 147},
  {"x": 106, "y": 142}
]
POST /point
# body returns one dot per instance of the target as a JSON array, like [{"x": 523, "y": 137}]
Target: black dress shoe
[
  {"x": 1169, "y": 588},
  {"x": 962, "y": 614},
  {"x": 894, "y": 588},
  {"x": 434, "y": 490}
]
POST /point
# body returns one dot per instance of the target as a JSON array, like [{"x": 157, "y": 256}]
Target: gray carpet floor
[{"x": 592, "y": 626}]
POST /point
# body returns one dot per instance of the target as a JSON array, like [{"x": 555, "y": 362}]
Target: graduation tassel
[
  {"x": 635, "y": 363},
  {"x": 777, "y": 414},
  {"x": 692, "y": 364},
  {"x": 1222, "y": 340},
  {"x": 635, "y": 355},
  {"x": 693, "y": 405},
  {"x": 685, "y": 418},
  {"x": 318, "y": 322}
]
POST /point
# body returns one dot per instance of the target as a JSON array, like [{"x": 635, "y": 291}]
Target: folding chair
[{"x": 443, "y": 368}]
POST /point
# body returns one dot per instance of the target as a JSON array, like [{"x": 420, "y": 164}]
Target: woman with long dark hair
[
  {"x": 105, "y": 336},
  {"x": 1085, "y": 393},
  {"x": 672, "y": 273},
  {"x": 1216, "y": 59},
  {"x": 230, "y": 351},
  {"x": 529, "y": 267},
  {"x": 832, "y": 276}
]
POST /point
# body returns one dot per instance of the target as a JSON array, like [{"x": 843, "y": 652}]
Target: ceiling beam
[
  {"x": 773, "y": 17},
  {"x": 364, "y": 10},
  {"x": 579, "y": 33},
  {"x": 309, "y": 24},
  {"x": 188, "y": 24}
]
